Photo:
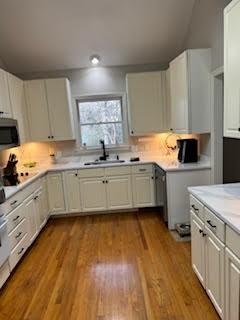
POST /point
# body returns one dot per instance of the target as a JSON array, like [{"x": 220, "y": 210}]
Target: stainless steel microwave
[{"x": 9, "y": 136}]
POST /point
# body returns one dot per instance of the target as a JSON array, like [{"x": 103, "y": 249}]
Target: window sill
[{"x": 91, "y": 150}]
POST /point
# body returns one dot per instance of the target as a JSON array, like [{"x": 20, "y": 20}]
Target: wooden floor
[{"x": 108, "y": 267}]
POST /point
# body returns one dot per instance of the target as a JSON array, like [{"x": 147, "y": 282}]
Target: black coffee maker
[{"x": 188, "y": 150}]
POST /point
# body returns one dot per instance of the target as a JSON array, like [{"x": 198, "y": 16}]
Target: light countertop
[
  {"x": 223, "y": 200},
  {"x": 168, "y": 164}
]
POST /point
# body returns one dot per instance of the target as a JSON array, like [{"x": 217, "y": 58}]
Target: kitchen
[{"x": 109, "y": 155}]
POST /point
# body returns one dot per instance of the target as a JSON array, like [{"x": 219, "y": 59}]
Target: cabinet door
[
  {"x": 39, "y": 127},
  {"x": 60, "y": 109},
  {"x": 55, "y": 193},
  {"x": 72, "y": 191},
  {"x": 18, "y": 104},
  {"x": 45, "y": 204},
  {"x": 146, "y": 93},
  {"x": 232, "y": 71},
  {"x": 232, "y": 286},
  {"x": 198, "y": 248},
  {"x": 5, "y": 106},
  {"x": 40, "y": 217},
  {"x": 143, "y": 191},
  {"x": 31, "y": 218},
  {"x": 119, "y": 192},
  {"x": 93, "y": 194},
  {"x": 179, "y": 94},
  {"x": 215, "y": 271}
]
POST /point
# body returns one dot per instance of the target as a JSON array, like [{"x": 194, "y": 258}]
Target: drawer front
[
  {"x": 91, "y": 173},
  {"x": 18, "y": 252},
  {"x": 18, "y": 233},
  {"x": 4, "y": 273},
  {"x": 117, "y": 171},
  {"x": 233, "y": 241},
  {"x": 15, "y": 217},
  {"x": 216, "y": 225},
  {"x": 19, "y": 197},
  {"x": 197, "y": 207},
  {"x": 142, "y": 168}
]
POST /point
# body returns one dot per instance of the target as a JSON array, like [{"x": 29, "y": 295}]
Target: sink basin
[{"x": 100, "y": 162}]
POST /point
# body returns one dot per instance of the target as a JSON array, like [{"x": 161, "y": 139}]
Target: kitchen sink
[{"x": 101, "y": 162}]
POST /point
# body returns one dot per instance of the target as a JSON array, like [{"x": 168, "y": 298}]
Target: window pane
[
  {"x": 100, "y": 111},
  {"x": 111, "y": 133}
]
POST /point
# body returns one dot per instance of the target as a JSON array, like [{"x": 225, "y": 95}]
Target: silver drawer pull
[
  {"x": 19, "y": 252},
  {"x": 211, "y": 225},
  {"x": 142, "y": 170},
  {"x": 13, "y": 203},
  {"x": 16, "y": 218},
  {"x": 194, "y": 208},
  {"x": 18, "y": 235}
]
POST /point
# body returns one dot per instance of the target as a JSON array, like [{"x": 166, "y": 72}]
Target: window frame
[{"x": 124, "y": 122}]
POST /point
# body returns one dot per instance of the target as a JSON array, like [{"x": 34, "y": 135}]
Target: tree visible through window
[{"x": 101, "y": 119}]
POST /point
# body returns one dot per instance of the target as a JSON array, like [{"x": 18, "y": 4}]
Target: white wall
[
  {"x": 206, "y": 28},
  {"x": 98, "y": 80}
]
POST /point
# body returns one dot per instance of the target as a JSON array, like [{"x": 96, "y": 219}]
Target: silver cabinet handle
[{"x": 142, "y": 169}]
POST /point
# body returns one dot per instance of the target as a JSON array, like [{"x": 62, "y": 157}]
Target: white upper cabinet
[
  {"x": 49, "y": 110},
  {"x": 60, "y": 109},
  {"x": 232, "y": 70},
  {"x": 18, "y": 105},
  {"x": 147, "y": 106},
  {"x": 190, "y": 92},
  {"x": 5, "y": 106},
  {"x": 39, "y": 126}
]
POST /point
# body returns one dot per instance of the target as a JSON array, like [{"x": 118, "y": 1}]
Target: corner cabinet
[
  {"x": 147, "y": 103},
  {"x": 49, "y": 110},
  {"x": 232, "y": 70},
  {"x": 190, "y": 94},
  {"x": 55, "y": 193}
]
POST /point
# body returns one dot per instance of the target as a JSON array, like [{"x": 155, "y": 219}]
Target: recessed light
[{"x": 95, "y": 60}]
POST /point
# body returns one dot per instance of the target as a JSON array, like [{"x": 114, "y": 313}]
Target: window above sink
[{"x": 103, "y": 118}]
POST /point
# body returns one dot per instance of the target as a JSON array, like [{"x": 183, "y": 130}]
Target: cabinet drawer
[
  {"x": 91, "y": 173},
  {"x": 117, "y": 171},
  {"x": 216, "y": 225},
  {"x": 15, "y": 217},
  {"x": 18, "y": 252},
  {"x": 197, "y": 207},
  {"x": 19, "y": 197},
  {"x": 142, "y": 168},
  {"x": 4, "y": 273},
  {"x": 18, "y": 233},
  {"x": 233, "y": 241}
]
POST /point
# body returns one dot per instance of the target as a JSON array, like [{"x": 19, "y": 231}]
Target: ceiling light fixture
[{"x": 95, "y": 60}]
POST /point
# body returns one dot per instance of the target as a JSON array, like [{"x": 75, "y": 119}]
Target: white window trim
[{"x": 125, "y": 145}]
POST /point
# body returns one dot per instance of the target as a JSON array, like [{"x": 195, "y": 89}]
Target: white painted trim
[{"x": 217, "y": 103}]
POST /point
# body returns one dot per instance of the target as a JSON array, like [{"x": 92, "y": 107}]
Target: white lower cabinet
[
  {"x": 93, "y": 194},
  {"x": 119, "y": 192},
  {"x": 215, "y": 271},
  {"x": 143, "y": 190},
  {"x": 232, "y": 286},
  {"x": 198, "y": 248},
  {"x": 72, "y": 191},
  {"x": 30, "y": 210},
  {"x": 55, "y": 193}
]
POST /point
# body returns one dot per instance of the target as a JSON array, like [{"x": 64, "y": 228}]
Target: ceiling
[{"x": 40, "y": 35}]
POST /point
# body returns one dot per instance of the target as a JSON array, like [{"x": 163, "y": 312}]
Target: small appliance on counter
[
  {"x": 10, "y": 175},
  {"x": 2, "y": 191},
  {"x": 188, "y": 150}
]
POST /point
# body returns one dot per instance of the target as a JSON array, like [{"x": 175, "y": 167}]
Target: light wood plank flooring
[{"x": 105, "y": 267}]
